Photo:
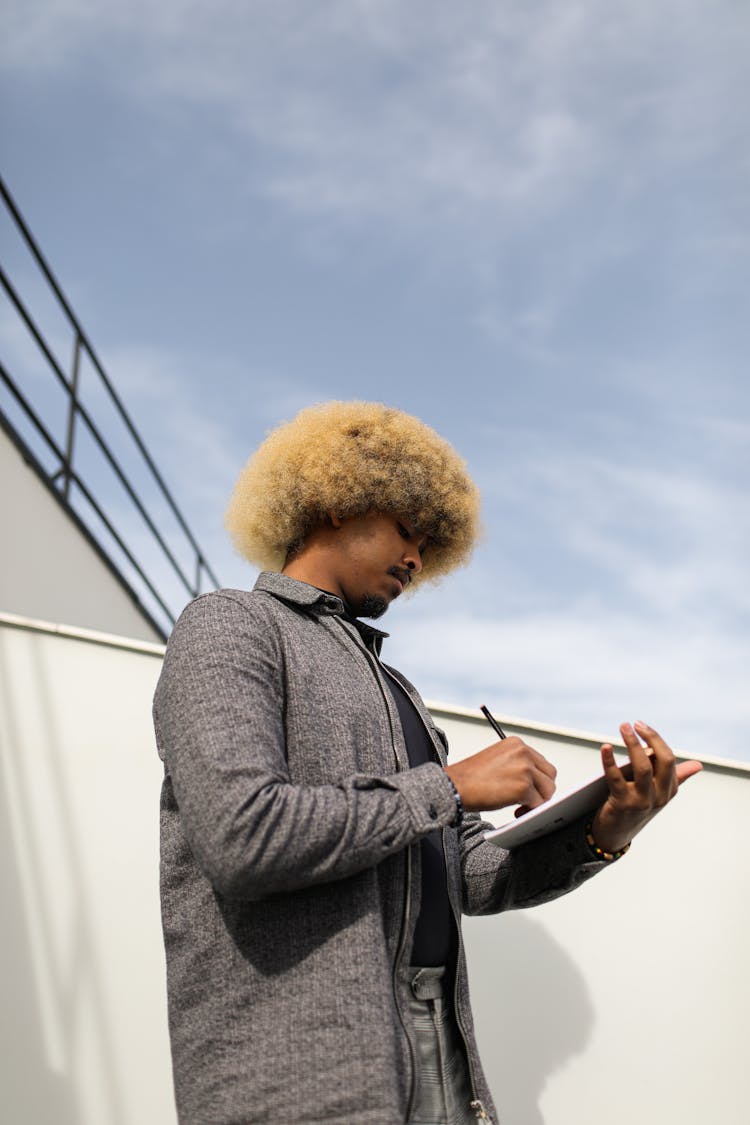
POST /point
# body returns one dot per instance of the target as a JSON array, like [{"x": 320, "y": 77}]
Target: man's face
[{"x": 376, "y": 557}]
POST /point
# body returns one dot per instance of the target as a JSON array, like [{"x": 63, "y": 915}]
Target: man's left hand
[{"x": 632, "y": 804}]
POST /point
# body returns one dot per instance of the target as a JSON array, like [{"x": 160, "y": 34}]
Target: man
[{"x": 317, "y": 850}]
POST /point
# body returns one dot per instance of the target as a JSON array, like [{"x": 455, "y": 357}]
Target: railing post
[{"x": 72, "y": 412}]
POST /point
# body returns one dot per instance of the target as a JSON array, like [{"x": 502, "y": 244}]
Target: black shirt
[
  {"x": 434, "y": 930},
  {"x": 434, "y": 933}
]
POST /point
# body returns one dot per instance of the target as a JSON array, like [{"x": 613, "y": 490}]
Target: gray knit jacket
[{"x": 290, "y": 876}]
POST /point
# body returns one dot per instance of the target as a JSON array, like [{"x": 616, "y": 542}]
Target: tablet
[{"x": 555, "y": 813}]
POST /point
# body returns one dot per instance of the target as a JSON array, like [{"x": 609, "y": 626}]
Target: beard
[{"x": 370, "y": 605}]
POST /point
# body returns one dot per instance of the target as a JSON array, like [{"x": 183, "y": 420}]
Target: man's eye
[{"x": 405, "y": 533}]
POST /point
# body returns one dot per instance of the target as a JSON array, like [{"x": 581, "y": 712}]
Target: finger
[
  {"x": 643, "y": 773},
  {"x": 539, "y": 789},
  {"x": 532, "y": 797},
  {"x": 542, "y": 764},
  {"x": 538, "y": 761},
  {"x": 684, "y": 770},
  {"x": 617, "y": 783},
  {"x": 545, "y": 785},
  {"x": 663, "y": 756}
]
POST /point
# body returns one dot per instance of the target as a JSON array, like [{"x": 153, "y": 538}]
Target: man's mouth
[{"x": 403, "y": 577}]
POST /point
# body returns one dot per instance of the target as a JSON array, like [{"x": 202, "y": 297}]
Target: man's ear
[{"x": 336, "y": 520}]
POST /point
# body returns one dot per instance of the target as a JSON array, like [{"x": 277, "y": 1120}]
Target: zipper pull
[{"x": 479, "y": 1111}]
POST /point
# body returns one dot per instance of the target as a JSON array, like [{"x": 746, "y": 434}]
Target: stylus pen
[{"x": 493, "y": 722}]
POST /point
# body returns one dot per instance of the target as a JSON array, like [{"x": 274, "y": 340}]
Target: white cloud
[
  {"x": 651, "y": 621},
  {"x": 169, "y": 386},
  {"x": 198, "y": 452},
  {"x": 369, "y": 108},
  {"x": 21, "y": 353},
  {"x": 466, "y": 132},
  {"x": 669, "y": 539},
  {"x": 731, "y": 432},
  {"x": 586, "y": 669}
]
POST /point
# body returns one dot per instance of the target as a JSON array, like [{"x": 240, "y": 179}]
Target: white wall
[
  {"x": 628, "y": 1000},
  {"x": 83, "y": 1019},
  {"x": 49, "y": 569},
  {"x": 625, "y": 1002}
]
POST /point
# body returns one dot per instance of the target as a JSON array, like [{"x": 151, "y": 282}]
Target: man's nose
[{"x": 413, "y": 559}]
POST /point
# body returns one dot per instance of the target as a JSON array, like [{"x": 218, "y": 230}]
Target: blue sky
[{"x": 526, "y": 223}]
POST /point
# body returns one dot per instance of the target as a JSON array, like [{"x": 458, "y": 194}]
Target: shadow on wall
[
  {"x": 54, "y": 1007},
  {"x": 532, "y": 1010},
  {"x": 31, "y": 1087}
]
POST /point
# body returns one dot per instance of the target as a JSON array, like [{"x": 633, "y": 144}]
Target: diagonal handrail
[
  {"x": 78, "y": 410},
  {"x": 52, "y": 444}
]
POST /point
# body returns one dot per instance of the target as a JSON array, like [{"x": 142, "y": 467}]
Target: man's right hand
[{"x": 506, "y": 773}]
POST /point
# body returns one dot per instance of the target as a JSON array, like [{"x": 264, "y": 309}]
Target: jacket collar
[{"x": 317, "y": 601}]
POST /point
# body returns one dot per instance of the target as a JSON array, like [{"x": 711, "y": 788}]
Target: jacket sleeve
[
  {"x": 219, "y": 721},
  {"x": 495, "y": 879}
]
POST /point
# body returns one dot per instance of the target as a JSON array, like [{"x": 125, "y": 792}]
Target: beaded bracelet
[
  {"x": 600, "y": 852},
  {"x": 459, "y": 803}
]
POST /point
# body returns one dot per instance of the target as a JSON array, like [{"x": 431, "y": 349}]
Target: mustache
[{"x": 404, "y": 576}]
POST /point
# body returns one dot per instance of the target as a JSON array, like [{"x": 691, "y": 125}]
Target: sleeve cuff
[{"x": 430, "y": 795}]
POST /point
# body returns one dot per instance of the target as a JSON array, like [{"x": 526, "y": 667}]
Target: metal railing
[{"x": 66, "y": 477}]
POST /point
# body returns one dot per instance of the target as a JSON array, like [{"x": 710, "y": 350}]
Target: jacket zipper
[
  {"x": 475, "y": 1104},
  {"x": 397, "y": 962},
  {"x": 379, "y": 671}
]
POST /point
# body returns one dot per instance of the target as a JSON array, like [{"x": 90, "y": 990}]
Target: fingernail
[{"x": 640, "y": 723}]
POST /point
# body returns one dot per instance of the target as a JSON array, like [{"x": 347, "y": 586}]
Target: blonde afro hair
[{"x": 351, "y": 458}]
